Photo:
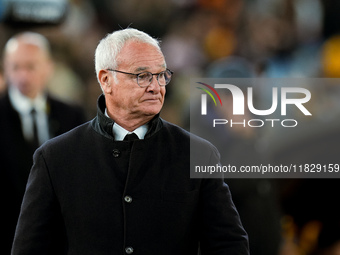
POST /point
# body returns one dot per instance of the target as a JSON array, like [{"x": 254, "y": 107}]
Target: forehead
[
  {"x": 138, "y": 55},
  {"x": 25, "y": 52}
]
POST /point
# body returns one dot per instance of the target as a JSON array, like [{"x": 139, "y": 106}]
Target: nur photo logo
[
  {"x": 280, "y": 98},
  {"x": 204, "y": 97}
]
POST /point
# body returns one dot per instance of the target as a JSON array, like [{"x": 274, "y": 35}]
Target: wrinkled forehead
[{"x": 141, "y": 56}]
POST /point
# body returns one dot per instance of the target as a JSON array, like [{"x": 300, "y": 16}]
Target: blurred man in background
[{"x": 28, "y": 118}]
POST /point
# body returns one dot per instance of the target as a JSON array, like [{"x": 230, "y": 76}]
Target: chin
[
  {"x": 26, "y": 92},
  {"x": 152, "y": 112}
]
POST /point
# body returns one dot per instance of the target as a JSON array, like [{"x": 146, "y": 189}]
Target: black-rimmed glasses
[{"x": 144, "y": 79}]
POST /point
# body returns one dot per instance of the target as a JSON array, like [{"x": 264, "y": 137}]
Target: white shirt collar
[
  {"x": 119, "y": 132},
  {"x": 23, "y": 104}
]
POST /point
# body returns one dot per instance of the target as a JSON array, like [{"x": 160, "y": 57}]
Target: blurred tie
[
  {"x": 35, "y": 138},
  {"x": 130, "y": 137}
]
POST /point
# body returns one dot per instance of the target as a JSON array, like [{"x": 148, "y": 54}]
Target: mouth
[{"x": 151, "y": 100}]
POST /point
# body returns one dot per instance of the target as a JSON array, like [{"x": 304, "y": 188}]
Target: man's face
[
  {"x": 28, "y": 68},
  {"x": 127, "y": 98}
]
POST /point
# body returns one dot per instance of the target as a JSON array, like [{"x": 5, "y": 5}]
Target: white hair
[
  {"x": 110, "y": 46},
  {"x": 30, "y": 38}
]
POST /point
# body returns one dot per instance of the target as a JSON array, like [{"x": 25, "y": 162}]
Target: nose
[
  {"x": 154, "y": 87},
  {"x": 22, "y": 75}
]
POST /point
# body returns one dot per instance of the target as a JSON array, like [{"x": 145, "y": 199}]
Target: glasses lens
[
  {"x": 164, "y": 77},
  {"x": 144, "y": 79}
]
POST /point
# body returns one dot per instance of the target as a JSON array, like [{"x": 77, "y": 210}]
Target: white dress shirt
[
  {"x": 24, "y": 105},
  {"x": 119, "y": 132}
]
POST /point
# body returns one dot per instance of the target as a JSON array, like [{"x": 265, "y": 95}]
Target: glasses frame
[{"x": 137, "y": 74}]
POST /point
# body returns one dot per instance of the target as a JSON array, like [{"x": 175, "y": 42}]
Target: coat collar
[{"x": 103, "y": 125}]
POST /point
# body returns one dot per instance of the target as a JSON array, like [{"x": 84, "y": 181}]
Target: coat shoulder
[
  {"x": 72, "y": 138},
  {"x": 4, "y": 102}
]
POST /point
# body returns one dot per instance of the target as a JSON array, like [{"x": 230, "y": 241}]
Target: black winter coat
[{"x": 90, "y": 194}]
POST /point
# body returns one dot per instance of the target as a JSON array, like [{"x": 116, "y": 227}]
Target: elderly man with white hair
[{"x": 120, "y": 184}]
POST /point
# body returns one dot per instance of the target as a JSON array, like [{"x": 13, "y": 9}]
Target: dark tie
[
  {"x": 35, "y": 138},
  {"x": 130, "y": 137}
]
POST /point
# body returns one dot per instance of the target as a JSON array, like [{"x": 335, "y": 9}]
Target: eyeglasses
[{"x": 144, "y": 79}]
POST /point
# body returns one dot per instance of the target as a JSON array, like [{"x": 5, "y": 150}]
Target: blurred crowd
[
  {"x": 224, "y": 38},
  {"x": 276, "y": 38}
]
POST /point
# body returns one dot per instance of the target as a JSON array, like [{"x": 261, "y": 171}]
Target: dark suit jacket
[
  {"x": 90, "y": 194},
  {"x": 16, "y": 157}
]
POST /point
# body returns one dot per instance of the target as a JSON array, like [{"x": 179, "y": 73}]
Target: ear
[{"x": 105, "y": 81}]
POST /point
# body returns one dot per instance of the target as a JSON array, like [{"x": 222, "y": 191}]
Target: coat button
[
  {"x": 128, "y": 199},
  {"x": 116, "y": 153},
  {"x": 129, "y": 250}
]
